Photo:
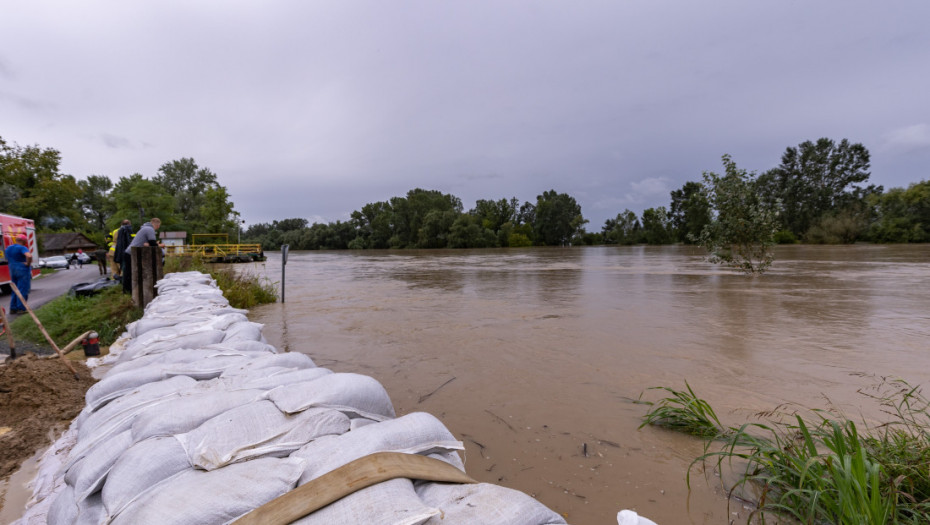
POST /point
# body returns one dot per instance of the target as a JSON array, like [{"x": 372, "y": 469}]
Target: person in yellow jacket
[{"x": 111, "y": 245}]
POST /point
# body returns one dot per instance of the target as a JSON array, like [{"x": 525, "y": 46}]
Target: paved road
[{"x": 52, "y": 285}]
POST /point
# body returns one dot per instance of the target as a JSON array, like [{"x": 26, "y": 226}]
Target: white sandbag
[
  {"x": 140, "y": 469},
  {"x": 219, "y": 496},
  {"x": 257, "y": 429},
  {"x": 287, "y": 360},
  {"x": 354, "y": 394},
  {"x": 207, "y": 368},
  {"x": 484, "y": 503},
  {"x": 416, "y": 433},
  {"x": 244, "y": 331},
  {"x": 188, "y": 412},
  {"x": 91, "y": 511},
  {"x": 119, "y": 414},
  {"x": 64, "y": 510},
  {"x": 271, "y": 380},
  {"x": 117, "y": 385},
  {"x": 194, "y": 340},
  {"x": 139, "y": 397},
  {"x": 393, "y": 502},
  {"x": 359, "y": 422},
  {"x": 88, "y": 474},
  {"x": 244, "y": 346}
]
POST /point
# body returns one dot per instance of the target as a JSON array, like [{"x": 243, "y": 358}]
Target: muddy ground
[{"x": 37, "y": 397}]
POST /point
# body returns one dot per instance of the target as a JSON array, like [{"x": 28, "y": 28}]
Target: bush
[{"x": 785, "y": 237}]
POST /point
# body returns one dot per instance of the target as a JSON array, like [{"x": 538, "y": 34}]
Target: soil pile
[{"x": 36, "y": 395}]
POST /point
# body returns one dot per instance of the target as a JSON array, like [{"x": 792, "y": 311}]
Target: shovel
[{"x": 45, "y": 333}]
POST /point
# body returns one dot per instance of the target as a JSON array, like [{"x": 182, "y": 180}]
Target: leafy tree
[
  {"x": 374, "y": 225},
  {"x": 286, "y": 225},
  {"x": 656, "y": 226},
  {"x": 558, "y": 218},
  {"x": 814, "y": 179},
  {"x": 139, "y": 199},
  {"x": 411, "y": 211},
  {"x": 31, "y": 186},
  {"x": 741, "y": 234},
  {"x": 689, "y": 212},
  {"x": 903, "y": 215},
  {"x": 97, "y": 204},
  {"x": 467, "y": 232},
  {"x": 624, "y": 229},
  {"x": 435, "y": 230},
  {"x": 187, "y": 183},
  {"x": 216, "y": 213}
]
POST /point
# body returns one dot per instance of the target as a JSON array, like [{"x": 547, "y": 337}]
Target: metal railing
[{"x": 207, "y": 251}]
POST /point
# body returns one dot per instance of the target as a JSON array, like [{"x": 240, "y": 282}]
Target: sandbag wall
[{"x": 199, "y": 420}]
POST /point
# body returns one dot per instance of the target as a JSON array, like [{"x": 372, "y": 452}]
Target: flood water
[{"x": 531, "y": 356}]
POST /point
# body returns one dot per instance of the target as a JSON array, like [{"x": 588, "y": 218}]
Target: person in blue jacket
[{"x": 20, "y": 261}]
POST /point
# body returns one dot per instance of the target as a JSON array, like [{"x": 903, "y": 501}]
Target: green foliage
[
  {"x": 742, "y": 234},
  {"x": 690, "y": 211},
  {"x": 682, "y": 411},
  {"x": 815, "y": 179},
  {"x": 97, "y": 205},
  {"x": 67, "y": 317},
  {"x": 139, "y": 199},
  {"x": 820, "y": 468},
  {"x": 785, "y": 237},
  {"x": 31, "y": 186},
  {"x": 657, "y": 228},
  {"x": 242, "y": 290},
  {"x": 519, "y": 240},
  {"x": 558, "y": 218},
  {"x": 624, "y": 229},
  {"x": 903, "y": 215}
]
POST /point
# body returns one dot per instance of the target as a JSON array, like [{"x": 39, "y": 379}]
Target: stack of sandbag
[{"x": 199, "y": 420}]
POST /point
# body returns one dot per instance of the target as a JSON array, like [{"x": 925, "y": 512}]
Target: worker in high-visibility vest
[{"x": 111, "y": 245}]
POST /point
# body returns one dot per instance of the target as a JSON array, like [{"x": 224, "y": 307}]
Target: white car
[{"x": 55, "y": 261}]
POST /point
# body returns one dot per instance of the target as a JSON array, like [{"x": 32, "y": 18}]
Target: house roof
[{"x": 65, "y": 242}]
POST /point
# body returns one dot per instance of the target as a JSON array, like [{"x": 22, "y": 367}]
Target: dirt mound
[{"x": 36, "y": 395}]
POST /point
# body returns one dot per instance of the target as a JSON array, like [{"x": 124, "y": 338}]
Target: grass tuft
[{"x": 819, "y": 468}]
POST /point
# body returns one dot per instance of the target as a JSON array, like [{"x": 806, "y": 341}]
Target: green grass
[
  {"x": 67, "y": 317},
  {"x": 819, "y": 468},
  {"x": 242, "y": 290},
  {"x": 682, "y": 411}
]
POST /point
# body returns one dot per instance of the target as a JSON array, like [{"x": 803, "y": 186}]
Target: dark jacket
[{"x": 123, "y": 239}]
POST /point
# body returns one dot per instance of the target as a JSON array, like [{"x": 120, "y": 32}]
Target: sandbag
[
  {"x": 416, "y": 433},
  {"x": 354, "y": 394},
  {"x": 188, "y": 412},
  {"x": 64, "y": 509},
  {"x": 216, "y": 497},
  {"x": 393, "y": 502},
  {"x": 483, "y": 503},
  {"x": 140, "y": 469},
  {"x": 257, "y": 429},
  {"x": 286, "y": 360},
  {"x": 91, "y": 511},
  {"x": 116, "y": 385},
  {"x": 244, "y": 331},
  {"x": 139, "y": 397},
  {"x": 88, "y": 474},
  {"x": 195, "y": 340},
  {"x": 269, "y": 380}
]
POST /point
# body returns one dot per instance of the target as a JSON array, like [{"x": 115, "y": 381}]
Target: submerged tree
[{"x": 741, "y": 235}]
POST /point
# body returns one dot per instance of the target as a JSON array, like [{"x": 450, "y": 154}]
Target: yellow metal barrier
[{"x": 219, "y": 251}]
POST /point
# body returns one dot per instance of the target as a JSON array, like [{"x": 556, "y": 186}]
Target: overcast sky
[{"x": 313, "y": 108}]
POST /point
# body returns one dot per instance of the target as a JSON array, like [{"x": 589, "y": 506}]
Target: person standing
[
  {"x": 123, "y": 238},
  {"x": 80, "y": 259},
  {"x": 144, "y": 237},
  {"x": 20, "y": 261},
  {"x": 101, "y": 255}
]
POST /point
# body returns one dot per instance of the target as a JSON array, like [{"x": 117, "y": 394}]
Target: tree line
[
  {"x": 185, "y": 196},
  {"x": 819, "y": 193}
]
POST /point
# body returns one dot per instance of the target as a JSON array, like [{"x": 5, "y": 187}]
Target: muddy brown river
[{"x": 531, "y": 356}]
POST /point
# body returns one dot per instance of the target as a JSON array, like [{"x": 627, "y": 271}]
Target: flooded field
[{"x": 531, "y": 356}]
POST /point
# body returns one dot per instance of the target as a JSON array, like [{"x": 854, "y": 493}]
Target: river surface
[{"x": 531, "y": 356}]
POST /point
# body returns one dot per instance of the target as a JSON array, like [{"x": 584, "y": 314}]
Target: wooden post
[
  {"x": 146, "y": 271},
  {"x": 9, "y": 333}
]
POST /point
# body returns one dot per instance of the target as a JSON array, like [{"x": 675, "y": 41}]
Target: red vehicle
[{"x": 10, "y": 227}]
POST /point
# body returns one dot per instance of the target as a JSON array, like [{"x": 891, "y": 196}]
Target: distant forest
[{"x": 820, "y": 193}]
